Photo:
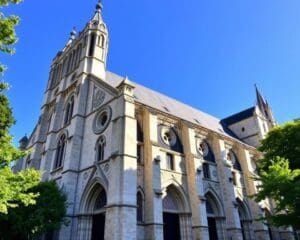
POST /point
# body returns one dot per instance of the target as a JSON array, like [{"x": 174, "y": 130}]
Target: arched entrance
[
  {"x": 92, "y": 220},
  {"x": 245, "y": 220},
  {"x": 215, "y": 219},
  {"x": 175, "y": 219},
  {"x": 98, "y": 225}
]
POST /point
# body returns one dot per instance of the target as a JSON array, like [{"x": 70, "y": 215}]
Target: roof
[
  {"x": 173, "y": 107},
  {"x": 239, "y": 116}
]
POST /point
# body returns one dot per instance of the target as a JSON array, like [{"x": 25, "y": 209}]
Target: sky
[{"x": 208, "y": 54}]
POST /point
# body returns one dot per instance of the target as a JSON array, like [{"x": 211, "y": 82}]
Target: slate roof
[
  {"x": 173, "y": 107},
  {"x": 239, "y": 116}
]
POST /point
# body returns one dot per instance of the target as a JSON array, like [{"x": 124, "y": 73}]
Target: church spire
[
  {"x": 264, "y": 107},
  {"x": 98, "y": 12},
  {"x": 260, "y": 101}
]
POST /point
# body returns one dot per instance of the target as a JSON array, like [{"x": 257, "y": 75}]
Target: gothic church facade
[{"x": 136, "y": 164}]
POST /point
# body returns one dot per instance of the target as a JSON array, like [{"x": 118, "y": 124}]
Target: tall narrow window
[
  {"x": 206, "y": 172},
  {"x": 234, "y": 179},
  {"x": 170, "y": 161},
  {"x": 140, "y": 210},
  {"x": 101, "y": 41},
  {"x": 92, "y": 44},
  {"x": 100, "y": 148},
  {"x": 69, "y": 63},
  {"x": 78, "y": 55},
  {"x": 60, "y": 150},
  {"x": 73, "y": 60},
  {"x": 139, "y": 154},
  {"x": 69, "y": 110}
]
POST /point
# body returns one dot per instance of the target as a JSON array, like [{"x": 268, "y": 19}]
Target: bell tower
[{"x": 96, "y": 41}]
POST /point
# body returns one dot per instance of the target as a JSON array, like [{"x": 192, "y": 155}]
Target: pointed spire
[
  {"x": 99, "y": 6},
  {"x": 98, "y": 12},
  {"x": 72, "y": 36},
  {"x": 260, "y": 101},
  {"x": 264, "y": 107}
]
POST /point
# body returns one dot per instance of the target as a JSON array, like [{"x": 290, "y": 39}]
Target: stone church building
[{"x": 136, "y": 164}]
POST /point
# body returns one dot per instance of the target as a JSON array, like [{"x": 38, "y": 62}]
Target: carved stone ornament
[
  {"x": 102, "y": 120},
  {"x": 99, "y": 97}
]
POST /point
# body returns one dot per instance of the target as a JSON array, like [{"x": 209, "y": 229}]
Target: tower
[{"x": 252, "y": 124}]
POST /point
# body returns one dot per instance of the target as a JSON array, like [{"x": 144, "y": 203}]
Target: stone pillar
[
  {"x": 185, "y": 220},
  {"x": 71, "y": 165},
  {"x": 198, "y": 226},
  {"x": 84, "y": 229},
  {"x": 51, "y": 143},
  {"x": 257, "y": 229},
  {"x": 120, "y": 219},
  {"x": 221, "y": 227},
  {"x": 153, "y": 201},
  {"x": 224, "y": 171}
]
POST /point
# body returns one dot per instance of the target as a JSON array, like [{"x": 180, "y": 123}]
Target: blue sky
[{"x": 208, "y": 54}]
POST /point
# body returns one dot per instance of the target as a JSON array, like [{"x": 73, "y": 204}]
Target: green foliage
[
  {"x": 14, "y": 187},
  {"x": 280, "y": 174},
  {"x": 6, "y": 118},
  {"x": 283, "y": 141},
  {"x": 29, "y": 222},
  {"x": 7, "y": 30}
]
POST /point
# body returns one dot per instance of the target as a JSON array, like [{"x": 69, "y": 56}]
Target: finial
[
  {"x": 99, "y": 6},
  {"x": 73, "y": 32}
]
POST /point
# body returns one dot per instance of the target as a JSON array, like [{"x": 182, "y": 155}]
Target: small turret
[
  {"x": 72, "y": 36},
  {"x": 23, "y": 142},
  {"x": 97, "y": 44}
]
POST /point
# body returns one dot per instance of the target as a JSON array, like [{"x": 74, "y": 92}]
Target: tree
[
  {"x": 13, "y": 186},
  {"x": 279, "y": 172},
  {"x": 30, "y": 222}
]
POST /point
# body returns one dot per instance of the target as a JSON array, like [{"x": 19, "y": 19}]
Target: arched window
[
  {"x": 92, "y": 44},
  {"x": 206, "y": 171},
  {"x": 235, "y": 161},
  {"x": 60, "y": 151},
  {"x": 101, "y": 41},
  {"x": 100, "y": 147},
  {"x": 78, "y": 55},
  {"x": 69, "y": 63},
  {"x": 64, "y": 67},
  {"x": 73, "y": 60},
  {"x": 205, "y": 151},
  {"x": 69, "y": 110},
  {"x": 140, "y": 207}
]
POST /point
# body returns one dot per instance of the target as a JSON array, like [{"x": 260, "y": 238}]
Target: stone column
[
  {"x": 84, "y": 229},
  {"x": 224, "y": 171},
  {"x": 153, "y": 201},
  {"x": 199, "y": 227},
  {"x": 185, "y": 220},
  {"x": 51, "y": 142},
  {"x": 120, "y": 219},
  {"x": 257, "y": 229}
]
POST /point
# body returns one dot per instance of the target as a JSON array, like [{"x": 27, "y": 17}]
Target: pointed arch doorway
[
  {"x": 98, "y": 222},
  {"x": 171, "y": 216},
  {"x": 92, "y": 220},
  {"x": 215, "y": 218},
  {"x": 245, "y": 220},
  {"x": 176, "y": 222}
]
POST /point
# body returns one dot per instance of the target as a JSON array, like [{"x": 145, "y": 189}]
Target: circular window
[
  {"x": 168, "y": 136},
  {"x": 202, "y": 148},
  {"x": 102, "y": 120}
]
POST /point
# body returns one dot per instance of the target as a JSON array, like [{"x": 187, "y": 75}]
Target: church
[{"x": 138, "y": 165}]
